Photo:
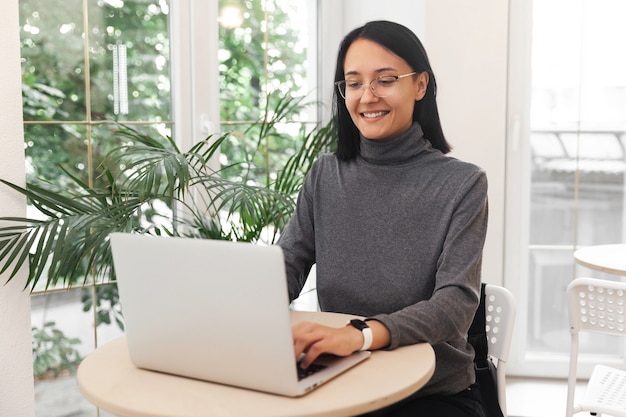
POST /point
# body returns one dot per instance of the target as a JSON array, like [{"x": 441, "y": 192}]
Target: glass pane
[
  {"x": 53, "y": 72},
  {"x": 578, "y": 123},
  {"x": 241, "y": 57},
  {"x": 288, "y": 40},
  {"x": 108, "y": 314},
  {"x": 553, "y": 185},
  {"x": 550, "y": 271},
  {"x": 265, "y": 77},
  {"x": 106, "y": 137},
  {"x": 252, "y": 157},
  {"x": 130, "y": 73},
  {"x": 262, "y": 48},
  {"x": 601, "y": 167},
  {"x": 63, "y": 334},
  {"x": 52, "y": 146}
]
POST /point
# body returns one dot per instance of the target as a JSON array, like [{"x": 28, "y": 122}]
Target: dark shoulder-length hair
[{"x": 404, "y": 43}]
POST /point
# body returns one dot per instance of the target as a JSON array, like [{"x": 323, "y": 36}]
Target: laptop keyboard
[{"x": 313, "y": 368}]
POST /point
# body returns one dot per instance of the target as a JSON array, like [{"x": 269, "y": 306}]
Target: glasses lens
[
  {"x": 341, "y": 86},
  {"x": 350, "y": 89},
  {"x": 383, "y": 86}
]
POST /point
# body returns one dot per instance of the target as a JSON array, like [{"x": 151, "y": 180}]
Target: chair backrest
[
  {"x": 500, "y": 320},
  {"x": 594, "y": 305},
  {"x": 597, "y": 305},
  {"x": 500, "y": 309}
]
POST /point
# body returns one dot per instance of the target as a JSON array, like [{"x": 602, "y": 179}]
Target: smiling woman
[{"x": 365, "y": 218}]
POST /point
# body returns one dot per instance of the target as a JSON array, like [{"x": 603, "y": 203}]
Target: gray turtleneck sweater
[{"x": 396, "y": 236}]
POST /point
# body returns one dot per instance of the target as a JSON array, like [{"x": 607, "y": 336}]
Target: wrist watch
[{"x": 365, "y": 330}]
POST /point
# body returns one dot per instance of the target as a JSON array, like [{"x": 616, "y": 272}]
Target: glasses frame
[{"x": 370, "y": 85}]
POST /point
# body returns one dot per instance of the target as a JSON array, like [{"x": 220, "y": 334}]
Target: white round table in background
[{"x": 605, "y": 258}]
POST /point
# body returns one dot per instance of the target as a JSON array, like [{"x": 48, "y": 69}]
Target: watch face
[{"x": 359, "y": 324}]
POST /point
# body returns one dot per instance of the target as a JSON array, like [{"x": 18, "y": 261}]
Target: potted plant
[{"x": 153, "y": 187}]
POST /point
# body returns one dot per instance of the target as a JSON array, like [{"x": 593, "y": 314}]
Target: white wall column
[
  {"x": 467, "y": 43},
  {"x": 16, "y": 368}
]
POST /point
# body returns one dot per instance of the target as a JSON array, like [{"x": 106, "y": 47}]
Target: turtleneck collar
[{"x": 396, "y": 150}]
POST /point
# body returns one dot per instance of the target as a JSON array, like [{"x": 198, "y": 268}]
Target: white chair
[
  {"x": 596, "y": 305},
  {"x": 500, "y": 309}
]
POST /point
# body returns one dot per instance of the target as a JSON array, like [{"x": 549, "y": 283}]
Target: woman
[{"x": 395, "y": 227}]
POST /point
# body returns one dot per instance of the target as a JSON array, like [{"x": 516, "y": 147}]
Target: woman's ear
[{"x": 422, "y": 85}]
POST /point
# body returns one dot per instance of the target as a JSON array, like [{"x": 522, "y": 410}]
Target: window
[
  {"x": 88, "y": 64},
  {"x": 85, "y": 65},
  {"x": 573, "y": 174}
]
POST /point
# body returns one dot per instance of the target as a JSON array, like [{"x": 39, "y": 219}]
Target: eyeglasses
[{"x": 382, "y": 86}]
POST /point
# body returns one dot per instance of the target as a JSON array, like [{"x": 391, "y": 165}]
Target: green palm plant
[{"x": 143, "y": 175}]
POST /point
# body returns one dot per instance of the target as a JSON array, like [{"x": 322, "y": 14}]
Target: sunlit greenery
[
  {"x": 244, "y": 76},
  {"x": 53, "y": 351},
  {"x": 64, "y": 94},
  {"x": 264, "y": 53}
]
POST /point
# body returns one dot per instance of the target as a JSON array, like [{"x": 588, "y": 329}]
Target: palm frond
[
  {"x": 70, "y": 243},
  {"x": 289, "y": 179},
  {"x": 57, "y": 245}
]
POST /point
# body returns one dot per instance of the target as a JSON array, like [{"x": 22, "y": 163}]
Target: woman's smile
[{"x": 374, "y": 115}]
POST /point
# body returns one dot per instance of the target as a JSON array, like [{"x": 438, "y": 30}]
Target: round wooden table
[
  {"x": 605, "y": 258},
  {"x": 108, "y": 379}
]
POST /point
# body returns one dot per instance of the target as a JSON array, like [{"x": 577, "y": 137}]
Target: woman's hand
[{"x": 314, "y": 339}]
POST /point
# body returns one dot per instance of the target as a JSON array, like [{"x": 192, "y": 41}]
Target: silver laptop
[{"x": 212, "y": 310}]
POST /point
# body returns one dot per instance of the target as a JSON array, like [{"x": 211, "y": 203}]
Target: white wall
[
  {"x": 16, "y": 369},
  {"x": 409, "y": 13},
  {"x": 467, "y": 46}
]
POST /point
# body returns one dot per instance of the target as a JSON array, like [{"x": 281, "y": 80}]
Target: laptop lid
[{"x": 212, "y": 310}]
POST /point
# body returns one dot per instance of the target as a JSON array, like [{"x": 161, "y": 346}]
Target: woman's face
[{"x": 386, "y": 117}]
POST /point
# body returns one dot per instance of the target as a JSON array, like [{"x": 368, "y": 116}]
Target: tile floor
[{"x": 537, "y": 397}]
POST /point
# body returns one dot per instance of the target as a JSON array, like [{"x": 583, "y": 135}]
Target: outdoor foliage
[
  {"x": 264, "y": 54},
  {"x": 53, "y": 351},
  {"x": 55, "y": 76}
]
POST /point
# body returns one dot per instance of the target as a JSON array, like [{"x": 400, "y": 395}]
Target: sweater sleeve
[
  {"x": 298, "y": 240},
  {"x": 447, "y": 315}
]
